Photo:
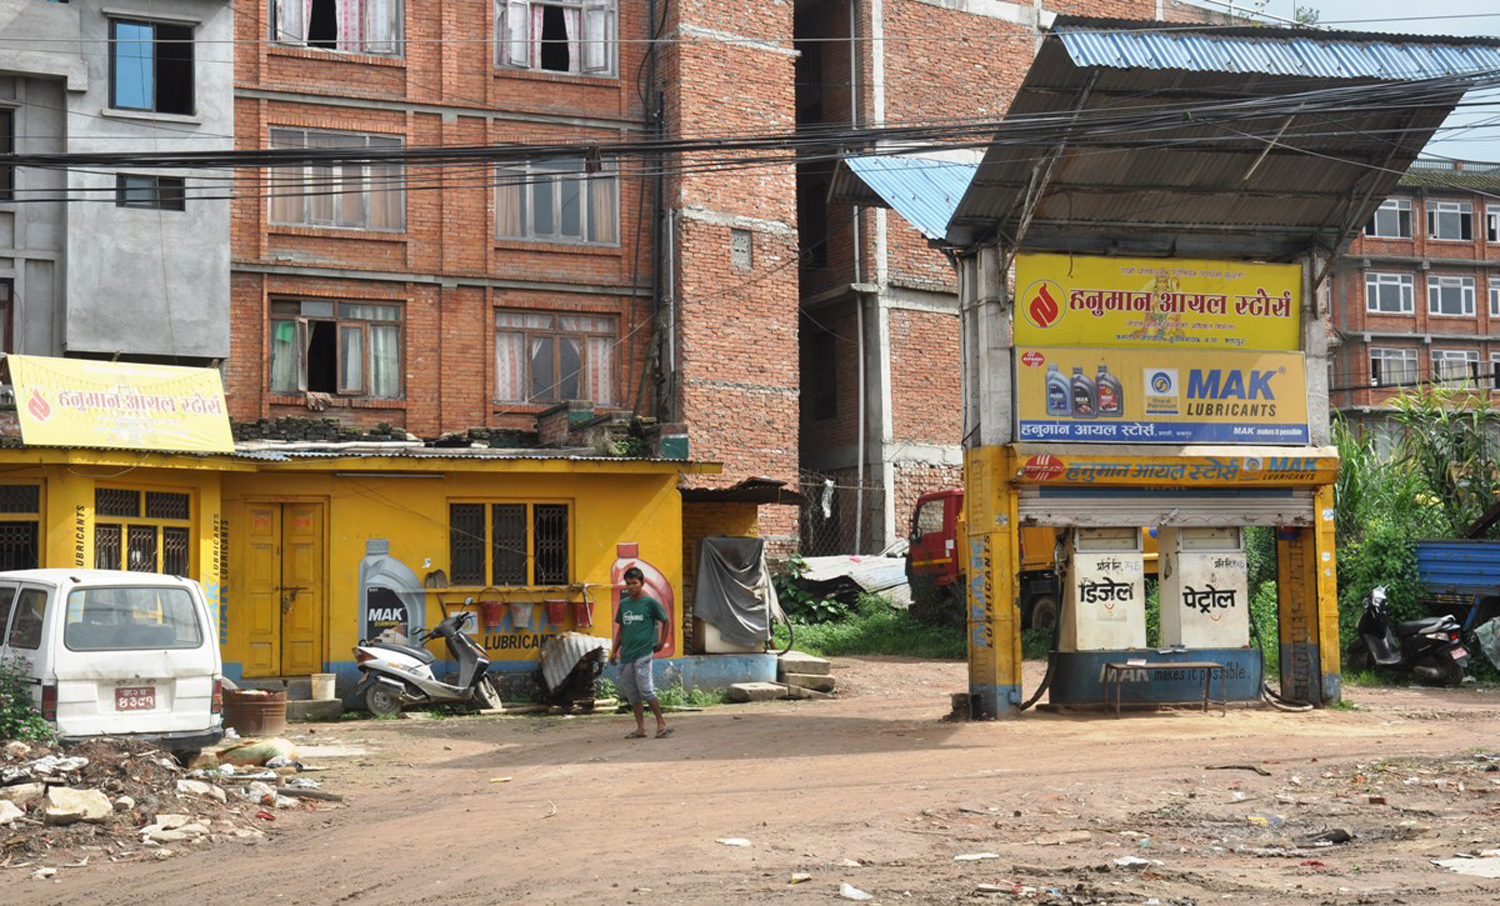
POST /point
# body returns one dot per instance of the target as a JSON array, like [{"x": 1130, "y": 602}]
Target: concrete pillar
[
  {"x": 990, "y": 563},
  {"x": 69, "y": 536},
  {"x": 1308, "y": 609}
]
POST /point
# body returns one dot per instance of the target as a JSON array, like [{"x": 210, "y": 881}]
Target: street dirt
[{"x": 874, "y": 790}]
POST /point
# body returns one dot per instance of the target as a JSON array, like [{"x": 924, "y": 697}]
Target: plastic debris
[
  {"x": 850, "y": 892},
  {"x": 1487, "y": 867},
  {"x": 975, "y": 857},
  {"x": 799, "y": 878},
  {"x": 734, "y": 841},
  {"x": 1135, "y": 862}
]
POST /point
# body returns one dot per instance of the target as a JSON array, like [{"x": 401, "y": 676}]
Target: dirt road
[{"x": 873, "y": 790}]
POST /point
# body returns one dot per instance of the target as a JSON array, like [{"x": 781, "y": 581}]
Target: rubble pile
[{"x": 119, "y": 800}]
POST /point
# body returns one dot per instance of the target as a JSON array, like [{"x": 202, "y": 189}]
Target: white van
[{"x": 116, "y": 654}]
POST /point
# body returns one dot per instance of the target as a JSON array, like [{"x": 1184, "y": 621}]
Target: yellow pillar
[
  {"x": 1307, "y": 587},
  {"x": 69, "y": 520},
  {"x": 993, "y": 616},
  {"x": 209, "y": 536}
]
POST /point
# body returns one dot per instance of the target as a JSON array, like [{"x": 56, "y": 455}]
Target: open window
[
  {"x": 576, "y": 36},
  {"x": 338, "y": 348},
  {"x": 151, "y": 66},
  {"x": 353, "y": 26}
]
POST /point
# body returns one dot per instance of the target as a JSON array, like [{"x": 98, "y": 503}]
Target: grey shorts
[{"x": 635, "y": 680}]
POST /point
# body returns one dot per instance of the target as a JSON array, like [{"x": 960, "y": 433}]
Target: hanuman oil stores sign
[{"x": 1117, "y": 350}]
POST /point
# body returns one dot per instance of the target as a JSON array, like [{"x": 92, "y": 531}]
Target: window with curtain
[
  {"x": 354, "y": 195},
  {"x": 354, "y": 26},
  {"x": 578, "y": 36},
  {"x": 343, "y": 348},
  {"x": 547, "y": 358},
  {"x": 558, "y": 201},
  {"x": 1393, "y": 367}
]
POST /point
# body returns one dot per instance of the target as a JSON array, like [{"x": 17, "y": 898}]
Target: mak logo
[
  {"x": 1219, "y": 384},
  {"x": 1041, "y": 304}
]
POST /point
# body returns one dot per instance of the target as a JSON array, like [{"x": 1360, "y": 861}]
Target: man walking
[{"x": 643, "y": 632}]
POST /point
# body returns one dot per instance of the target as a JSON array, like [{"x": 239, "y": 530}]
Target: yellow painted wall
[{"x": 412, "y": 514}]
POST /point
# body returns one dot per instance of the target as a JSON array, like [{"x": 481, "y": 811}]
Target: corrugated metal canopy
[
  {"x": 1247, "y": 143},
  {"x": 923, "y": 190}
]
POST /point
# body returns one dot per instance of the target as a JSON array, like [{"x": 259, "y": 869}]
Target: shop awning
[{"x": 924, "y": 190}]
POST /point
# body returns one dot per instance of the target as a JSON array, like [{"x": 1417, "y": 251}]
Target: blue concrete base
[
  {"x": 704, "y": 671},
  {"x": 1078, "y": 678},
  {"x": 994, "y": 701}
]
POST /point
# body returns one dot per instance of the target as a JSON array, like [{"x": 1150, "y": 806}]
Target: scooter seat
[
  {"x": 1414, "y": 627},
  {"x": 420, "y": 654}
]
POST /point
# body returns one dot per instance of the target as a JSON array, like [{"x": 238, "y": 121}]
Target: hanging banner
[
  {"x": 1067, "y": 300},
  {"x": 1114, "y": 396},
  {"x": 88, "y": 403}
]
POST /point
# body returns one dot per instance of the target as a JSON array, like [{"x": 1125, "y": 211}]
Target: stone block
[
  {"x": 9, "y": 812},
  {"x": 755, "y": 692},
  {"x": 199, "y": 788},
  {"x": 331, "y": 709},
  {"x": 67, "y": 806},
  {"x": 22, "y": 794},
  {"x": 813, "y": 681},
  {"x": 798, "y": 662}
]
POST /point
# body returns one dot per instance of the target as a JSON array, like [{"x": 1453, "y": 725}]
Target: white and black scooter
[
  {"x": 395, "y": 675},
  {"x": 1431, "y": 648}
]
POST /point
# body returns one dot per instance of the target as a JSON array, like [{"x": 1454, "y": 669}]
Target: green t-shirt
[{"x": 638, "y": 618}]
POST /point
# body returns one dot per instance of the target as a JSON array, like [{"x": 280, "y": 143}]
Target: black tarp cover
[{"x": 734, "y": 590}]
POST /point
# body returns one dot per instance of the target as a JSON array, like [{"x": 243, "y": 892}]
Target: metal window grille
[
  {"x": 509, "y": 541},
  {"x": 140, "y": 548},
  {"x": 466, "y": 543},
  {"x": 18, "y": 545},
  {"x": 174, "y": 551},
  {"x": 117, "y": 502},
  {"x": 106, "y": 546},
  {"x": 551, "y": 529},
  {"x": 163, "y": 505},
  {"x": 20, "y": 498}
]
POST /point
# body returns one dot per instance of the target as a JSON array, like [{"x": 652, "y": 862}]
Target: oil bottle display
[
  {"x": 1110, "y": 394},
  {"x": 1085, "y": 394}
]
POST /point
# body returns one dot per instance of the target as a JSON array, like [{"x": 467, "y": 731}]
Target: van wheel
[
  {"x": 381, "y": 701},
  {"x": 487, "y": 695}
]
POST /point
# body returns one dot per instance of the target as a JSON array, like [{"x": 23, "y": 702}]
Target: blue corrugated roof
[
  {"x": 923, "y": 190},
  {"x": 1321, "y": 57}
]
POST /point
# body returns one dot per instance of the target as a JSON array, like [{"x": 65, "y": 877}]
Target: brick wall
[
  {"x": 926, "y": 391},
  {"x": 445, "y": 268},
  {"x": 1422, "y": 258}
]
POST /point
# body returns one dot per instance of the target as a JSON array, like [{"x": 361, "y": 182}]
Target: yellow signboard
[
  {"x": 1075, "y": 394},
  {"x": 1067, "y": 300},
  {"x": 87, "y": 403},
  {"x": 1075, "y": 468}
]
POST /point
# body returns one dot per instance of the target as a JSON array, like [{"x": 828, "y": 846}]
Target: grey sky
[{"x": 1472, "y": 133}]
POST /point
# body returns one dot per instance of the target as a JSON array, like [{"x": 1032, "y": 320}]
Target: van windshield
[{"x": 131, "y": 618}]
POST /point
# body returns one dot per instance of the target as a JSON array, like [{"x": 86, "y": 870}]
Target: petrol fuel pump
[{"x": 1205, "y": 597}]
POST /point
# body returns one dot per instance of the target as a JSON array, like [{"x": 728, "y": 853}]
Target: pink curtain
[
  {"x": 510, "y": 367},
  {"x": 575, "y": 50},
  {"x": 351, "y": 24}
]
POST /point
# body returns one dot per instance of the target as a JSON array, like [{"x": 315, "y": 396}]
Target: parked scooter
[
  {"x": 1430, "y": 648},
  {"x": 395, "y": 675}
]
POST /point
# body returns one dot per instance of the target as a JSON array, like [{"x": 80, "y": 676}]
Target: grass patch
[
  {"x": 1365, "y": 678},
  {"x": 877, "y": 627},
  {"x": 678, "y": 697},
  {"x": 1345, "y": 704}
]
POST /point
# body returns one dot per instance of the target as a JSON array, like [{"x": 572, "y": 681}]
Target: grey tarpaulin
[{"x": 734, "y": 590}]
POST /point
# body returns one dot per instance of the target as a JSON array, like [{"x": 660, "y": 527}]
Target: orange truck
[{"x": 935, "y": 566}]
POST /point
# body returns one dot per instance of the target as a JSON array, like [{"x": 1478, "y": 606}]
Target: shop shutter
[{"x": 1107, "y": 506}]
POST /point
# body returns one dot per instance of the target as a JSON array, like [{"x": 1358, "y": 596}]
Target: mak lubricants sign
[
  {"x": 1104, "y": 395},
  {"x": 1067, "y": 300}
]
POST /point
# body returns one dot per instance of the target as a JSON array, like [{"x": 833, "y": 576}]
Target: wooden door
[
  {"x": 284, "y": 587},
  {"x": 263, "y": 589},
  {"x": 302, "y": 595}
]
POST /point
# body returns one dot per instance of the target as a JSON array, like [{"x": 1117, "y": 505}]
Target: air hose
[
  {"x": 1271, "y": 698},
  {"x": 1060, "y": 569}
]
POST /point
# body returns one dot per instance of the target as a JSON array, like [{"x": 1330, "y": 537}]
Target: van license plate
[{"x": 135, "y": 698}]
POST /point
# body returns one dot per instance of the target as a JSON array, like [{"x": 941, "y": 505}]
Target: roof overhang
[
  {"x": 750, "y": 490},
  {"x": 1248, "y": 143}
]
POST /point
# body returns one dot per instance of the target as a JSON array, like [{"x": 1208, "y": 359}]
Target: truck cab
[{"x": 935, "y": 566}]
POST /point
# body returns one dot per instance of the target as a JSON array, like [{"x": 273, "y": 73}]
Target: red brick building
[
  {"x": 736, "y": 303},
  {"x": 1417, "y": 297}
]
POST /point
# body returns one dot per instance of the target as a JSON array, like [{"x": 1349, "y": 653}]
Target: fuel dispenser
[{"x": 1204, "y": 616}]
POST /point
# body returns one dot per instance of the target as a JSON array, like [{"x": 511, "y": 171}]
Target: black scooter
[{"x": 1430, "y": 648}]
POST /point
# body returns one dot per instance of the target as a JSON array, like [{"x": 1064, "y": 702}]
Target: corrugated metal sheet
[
  {"x": 1459, "y": 567},
  {"x": 561, "y": 654},
  {"x": 1334, "y": 56},
  {"x": 923, "y": 190}
]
